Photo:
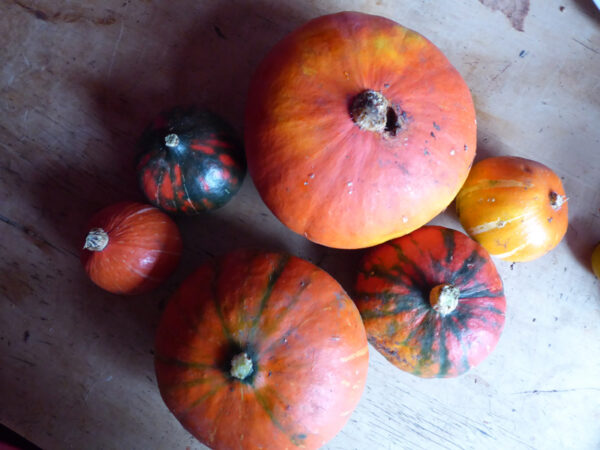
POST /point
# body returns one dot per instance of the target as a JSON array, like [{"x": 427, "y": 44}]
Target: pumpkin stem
[
  {"x": 96, "y": 240},
  {"x": 557, "y": 200},
  {"x": 172, "y": 140},
  {"x": 444, "y": 298},
  {"x": 241, "y": 366},
  {"x": 371, "y": 111}
]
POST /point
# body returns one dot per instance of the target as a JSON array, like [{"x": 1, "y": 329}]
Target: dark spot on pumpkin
[
  {"x": 549, "y": 219},
  {"x": 26, "y": 336},
  {"x": 432, "y": 134},
  {"x": 436, "y": 126},
  {"x": 561, "y": 8},
  {"x": 392, "y": 122},
  {"x": 219, "y": 32},
  {"x": 386, "y": 85}
]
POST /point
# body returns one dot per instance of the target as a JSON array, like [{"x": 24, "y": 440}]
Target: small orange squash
[
  {"x": 358, "y": 130},
  {"x": 514, "y": 207},
  {"x": 131, "y": 248}
]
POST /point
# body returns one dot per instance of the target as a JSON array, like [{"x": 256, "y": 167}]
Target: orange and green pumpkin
[
  {"x": 432, "y": 301},
  {"x": 261, "y": 350},
  {"x": 191, "y": 161},
  {"x": 357, "y": 130}
]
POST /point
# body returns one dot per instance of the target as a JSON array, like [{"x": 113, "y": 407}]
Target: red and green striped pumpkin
[
  {"x": 261, "y": 350},
  {"x": 191, "y": 161},
  {"x": 432, "y": 301}
]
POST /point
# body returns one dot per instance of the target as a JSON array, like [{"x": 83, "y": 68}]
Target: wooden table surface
[{"x": 80, "y": 79}]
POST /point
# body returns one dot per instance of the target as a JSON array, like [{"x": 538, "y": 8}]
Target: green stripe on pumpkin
[
  {"x": 167, "y": 360},
  {"x": 423, "y": 335},
  {"x": 480, "y": 291},
  {"x": 449, "y": 244},
  {"x": 268, "y": 408},
  {"x": 423, "y": 278},
  {"x": 469, "y": 269},
  {"x": 199, "y": 401},
  {"x": 445, "y": 363},
  {"x": 403, "y": 303},
  {"x": 453, "y": 322},
  {"x": 217, "y": 302},
  {"x": 273, "y": 277},
  {"x": 303, "y": 285}
]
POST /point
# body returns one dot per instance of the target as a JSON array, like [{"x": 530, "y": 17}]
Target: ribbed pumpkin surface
[
  {"x": 318, "y": 170},
  {"x": 302, "y": 335},
  {"x": 394, "y": 288},
  {"x": 191, "y": 161}
]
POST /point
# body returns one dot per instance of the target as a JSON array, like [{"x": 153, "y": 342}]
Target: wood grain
[{"x": 79, "y": 81}]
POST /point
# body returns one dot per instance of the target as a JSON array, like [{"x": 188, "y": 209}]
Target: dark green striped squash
[
  {"x": 261, "y": 350},
  {"x": 432, "y": 301},
  {"x": 190, "y": 161}
]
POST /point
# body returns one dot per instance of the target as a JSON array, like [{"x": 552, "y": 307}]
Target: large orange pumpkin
[
  {"x": 261, "y": 350},
  {"x": 358, "y": 130},
  {"x": 514, "y": 207}
]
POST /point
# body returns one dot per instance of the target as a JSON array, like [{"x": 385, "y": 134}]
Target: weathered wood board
[{"x": 79, "y": 80}]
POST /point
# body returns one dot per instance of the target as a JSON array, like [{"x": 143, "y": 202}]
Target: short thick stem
[
  {"x": 96, "y": 240},
  {"x": 556, "y": 200},
  {"x": 372, "y": 111},
  {"x": 241, "y": 366},
  {"x": 171, "y": 140},
  {"x": 444, "y": 298}
]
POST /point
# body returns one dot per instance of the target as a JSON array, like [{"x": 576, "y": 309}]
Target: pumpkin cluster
[{"x": 357, "y": 133}]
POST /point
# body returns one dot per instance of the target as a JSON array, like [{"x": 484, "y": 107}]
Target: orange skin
[
  {"x": 505, "y": 205},
  {"x": 322, "y": 175},
  {"x": 596, "y": 260},
  {"x": 304, "y": 335},
  {"x": 143, "y": 249}
]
